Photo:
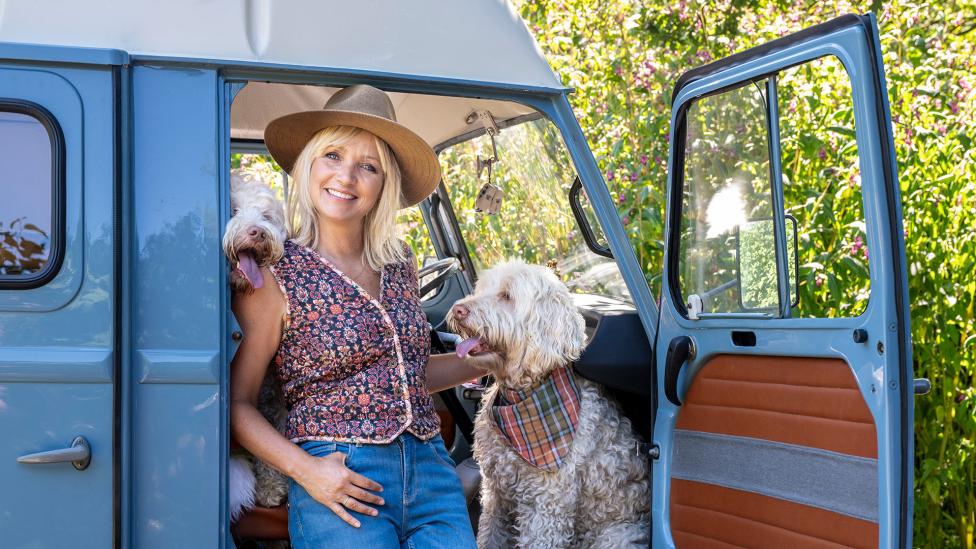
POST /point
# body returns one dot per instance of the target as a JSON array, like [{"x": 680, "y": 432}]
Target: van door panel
[
  {"x": 800, "y": 434},
  {"x": 58, "y": 353}
]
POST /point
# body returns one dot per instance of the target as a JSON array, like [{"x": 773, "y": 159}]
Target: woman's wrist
[{"x": 300, "y": 467}]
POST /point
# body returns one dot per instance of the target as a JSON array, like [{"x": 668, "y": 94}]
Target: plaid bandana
[{"x": 539, "y": 424}]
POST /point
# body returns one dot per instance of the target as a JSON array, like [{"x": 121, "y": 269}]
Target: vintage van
[{"x": 770, "y": 418}]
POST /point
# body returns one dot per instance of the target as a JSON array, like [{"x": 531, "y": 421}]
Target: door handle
[
  {"x": 679, "y": 350},
  {"x": 78, "y": 454}
]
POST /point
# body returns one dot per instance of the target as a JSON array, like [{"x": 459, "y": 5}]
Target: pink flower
[
  {"x": 643, "y": 159},
  {"x": 610, "y": 174},
  {"x": 621, "y": 198},
  {"x": 633, "y": 177}
]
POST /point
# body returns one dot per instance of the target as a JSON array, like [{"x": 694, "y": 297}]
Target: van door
[
  {"x": 59, "y": 344},
  {"x": 783, "y": 376}
]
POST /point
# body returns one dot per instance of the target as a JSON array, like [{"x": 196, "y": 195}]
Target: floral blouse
[{"x": 352, "y": 367}]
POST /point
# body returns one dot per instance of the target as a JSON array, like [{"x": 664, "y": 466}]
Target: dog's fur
[
  {"x": 257, "y": 228},
  {"x": 601, "y": 496}
]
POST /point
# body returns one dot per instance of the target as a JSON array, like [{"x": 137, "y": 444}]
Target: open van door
[{"x": 784, "y": 380}]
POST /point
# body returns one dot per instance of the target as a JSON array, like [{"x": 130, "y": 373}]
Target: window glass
[
  {"x": 726, "y": 181},
  {"x": 727, "y": 247},
  {"x": 822, "y": 188},
  {"x": 535, "y": 222},
  {"x": 27, "y": 189}
]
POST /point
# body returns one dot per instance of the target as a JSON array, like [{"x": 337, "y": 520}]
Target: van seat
[{"x": 262, "y": 523}]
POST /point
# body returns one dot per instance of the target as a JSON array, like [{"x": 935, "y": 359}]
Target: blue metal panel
[
  {"x": 878, "y": 374},
  {"x": 57, "y": 341},
  {"x": 178, "y": 289},
  {"x": 36, "y": 53}
]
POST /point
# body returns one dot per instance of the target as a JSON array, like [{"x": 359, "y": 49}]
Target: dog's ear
[{"x": 558, "y": 334}]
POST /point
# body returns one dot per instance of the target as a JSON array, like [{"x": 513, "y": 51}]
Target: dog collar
[{"x": 539, "y": 424}]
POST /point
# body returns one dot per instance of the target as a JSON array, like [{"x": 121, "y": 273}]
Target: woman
[{"x": 339, "y": 319}]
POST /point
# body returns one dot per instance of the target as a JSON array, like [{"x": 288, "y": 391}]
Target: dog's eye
[
  {"x": 504, "y": 296},
  {"x": 266, "y": 217},
  {"x": 235, "y": 211}
]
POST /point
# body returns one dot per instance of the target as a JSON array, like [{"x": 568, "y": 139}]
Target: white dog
[
  {"x": 559, "y": 463},
  {"x": 254, "y": 237}
]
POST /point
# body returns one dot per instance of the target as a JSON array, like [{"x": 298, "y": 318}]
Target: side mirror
[{"x": 756, "y": 264}]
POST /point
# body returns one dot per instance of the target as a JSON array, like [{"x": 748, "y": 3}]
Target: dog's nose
[
  {"x": 256, "y": 233},
  {"x": 460, "y": 312}
]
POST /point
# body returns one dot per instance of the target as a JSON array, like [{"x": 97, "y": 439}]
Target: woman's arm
[
  {"x": 326, "y": 479},
  {"x": 260, "y": 315},
  {"x": 449, "y": 370}
]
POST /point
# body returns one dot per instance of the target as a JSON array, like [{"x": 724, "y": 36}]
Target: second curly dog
[{"x": 558, "y": 460}]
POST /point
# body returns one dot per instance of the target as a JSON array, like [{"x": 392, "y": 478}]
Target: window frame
[{"x": 56, "y": 253}]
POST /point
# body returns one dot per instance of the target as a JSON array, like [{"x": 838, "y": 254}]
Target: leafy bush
[{"x": 623, "y": 57}]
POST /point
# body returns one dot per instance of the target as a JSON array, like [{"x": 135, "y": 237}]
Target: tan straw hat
[{"x": 368, "y": 108}]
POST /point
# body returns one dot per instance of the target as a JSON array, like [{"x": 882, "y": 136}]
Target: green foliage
[{"x": 623, "y": 57}]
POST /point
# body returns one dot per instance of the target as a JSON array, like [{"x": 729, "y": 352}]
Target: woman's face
[{"x": 345, "y": 181}]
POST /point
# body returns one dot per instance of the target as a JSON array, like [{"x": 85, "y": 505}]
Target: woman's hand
[{"x": 331, "y": 483}]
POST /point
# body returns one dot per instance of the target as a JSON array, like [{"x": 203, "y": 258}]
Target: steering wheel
[{"x": 444, "y": 269}]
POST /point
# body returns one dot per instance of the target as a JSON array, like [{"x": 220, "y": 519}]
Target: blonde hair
[{"x": 381, "y": 233}]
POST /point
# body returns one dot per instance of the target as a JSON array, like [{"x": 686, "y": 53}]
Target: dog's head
[
  {"x": 526, "y": 315},
  {"x": 255, "y": 235}
]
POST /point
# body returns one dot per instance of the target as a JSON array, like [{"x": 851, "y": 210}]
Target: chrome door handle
[{"x": 79, "y": 454}]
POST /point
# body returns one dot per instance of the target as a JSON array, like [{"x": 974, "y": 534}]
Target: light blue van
[{"x": 766, "y": 422}]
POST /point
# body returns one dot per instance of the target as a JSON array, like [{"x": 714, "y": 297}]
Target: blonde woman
[{"x": 340, "y": 322}]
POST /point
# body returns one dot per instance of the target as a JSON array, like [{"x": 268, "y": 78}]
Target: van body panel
[
  {"x": 179, "y": 289},
  {"x": 57, "y": 341},
  {"x": 409, "y": 38}
]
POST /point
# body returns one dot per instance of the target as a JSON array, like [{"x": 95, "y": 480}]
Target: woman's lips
[{"x": 339, "y": 195}]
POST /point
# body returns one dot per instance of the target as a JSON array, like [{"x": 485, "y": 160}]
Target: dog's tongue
[
  {"x": 462, "y": 349},
  {"x": 249, "y": 268}
]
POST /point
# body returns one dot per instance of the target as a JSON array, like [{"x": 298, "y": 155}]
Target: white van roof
[{"x": 479, "y": 40}]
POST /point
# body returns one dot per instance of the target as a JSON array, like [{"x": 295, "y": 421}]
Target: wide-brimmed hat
[{"x": 368, "y": 108}]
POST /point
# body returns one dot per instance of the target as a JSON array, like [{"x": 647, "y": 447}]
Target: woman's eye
[
  {"x": 369, "y": 168},
  {"x": 332, "y": 155}
]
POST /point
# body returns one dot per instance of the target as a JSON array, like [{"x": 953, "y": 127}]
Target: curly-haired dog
[
  {"x": 559, "y": 462},
  {"x": 254, "y": 237}
]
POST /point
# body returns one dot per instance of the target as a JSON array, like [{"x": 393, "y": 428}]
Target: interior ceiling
[{"x": 436, "y": 118}]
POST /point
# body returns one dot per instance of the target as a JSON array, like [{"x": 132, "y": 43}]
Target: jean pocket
[
  {"x": 323, "y": 448},
  {"x": 436, "y": 446}
]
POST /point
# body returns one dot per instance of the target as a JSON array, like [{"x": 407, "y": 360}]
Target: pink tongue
[
  {"x": 462, "y": 349},
  {"x": 250, "y": 269}
]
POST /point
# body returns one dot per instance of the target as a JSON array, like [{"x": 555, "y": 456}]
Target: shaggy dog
[
  {"x": 254, "y": 237},
  {"x": 599, "y": 495}
]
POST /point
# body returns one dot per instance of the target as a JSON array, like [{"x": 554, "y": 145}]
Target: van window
[
  {"x": 30, "y": 189},
  {"x": 727, "y": 253},
  {"x": 535, "y": 222}
]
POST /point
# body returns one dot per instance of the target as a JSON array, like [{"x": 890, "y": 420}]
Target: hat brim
[{"x": 420, "y": 172}]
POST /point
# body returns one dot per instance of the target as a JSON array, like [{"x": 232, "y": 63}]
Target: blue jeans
[{"x": 423, "y": 503}]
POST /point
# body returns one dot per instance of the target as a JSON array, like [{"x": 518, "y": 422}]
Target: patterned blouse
[{"x": 352, "y": 367}]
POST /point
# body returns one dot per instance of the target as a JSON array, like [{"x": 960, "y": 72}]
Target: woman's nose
[{"x": 460, "y": 312}]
